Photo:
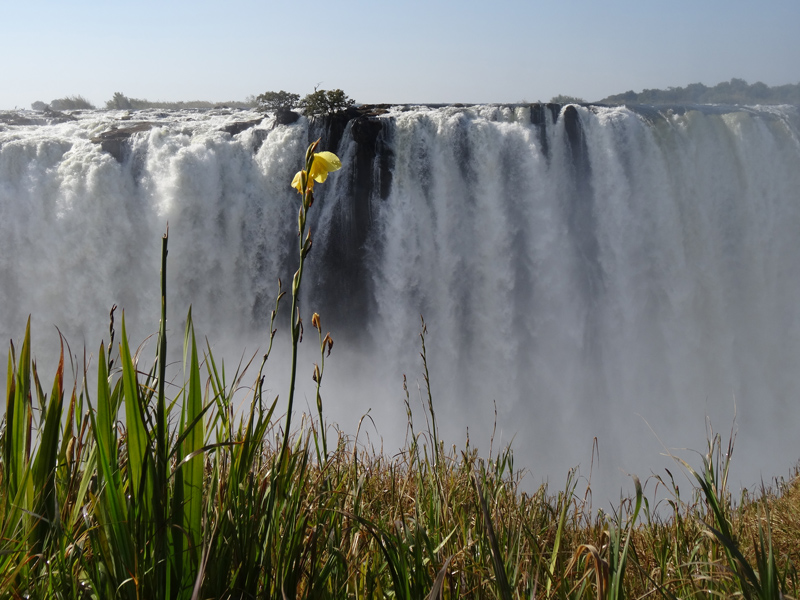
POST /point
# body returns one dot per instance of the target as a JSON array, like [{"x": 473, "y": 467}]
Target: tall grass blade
[
  {"x": 46, "y": 461},
  {"x": 438, "y": 584},
  {"x": 191, "y": 464},
  {"x": 137, "y": 438},
  {"x": 568, "y": 491},
  {"x": 497, "y": 558},
  {"x": 18, "y": 417},
  {"x": 115, "y": 525},
  {"x": 160, "y": 502},
  {"x": 618, "y": 558}
]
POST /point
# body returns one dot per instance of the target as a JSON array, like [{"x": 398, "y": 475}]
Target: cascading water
[{"x": 606, "y": 273}]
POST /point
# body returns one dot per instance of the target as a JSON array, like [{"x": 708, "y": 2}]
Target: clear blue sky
[{"x": 403, "y": 51}]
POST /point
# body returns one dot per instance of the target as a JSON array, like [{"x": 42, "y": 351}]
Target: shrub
[
  {"x": 119, "y": 101},
  {"x": 326, "y": 102},
  {"x": 277, "y": 101},
  {"x": 71, "y": 103}
]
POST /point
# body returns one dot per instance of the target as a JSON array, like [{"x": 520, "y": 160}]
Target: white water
[{"x": 660, "y": 286}]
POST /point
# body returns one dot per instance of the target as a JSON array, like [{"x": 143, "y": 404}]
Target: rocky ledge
[{"x": 114, "y": 140}]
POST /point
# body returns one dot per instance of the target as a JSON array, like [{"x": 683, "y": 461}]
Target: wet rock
[
  {"x": 259, "y": 137},
  {"x": 55, "y": 116},
  {"x": 114, "y": 141},
  {"x": 373, "y": 110},
  {"x": 286, "y": 117},
  {"x": 240, "y": 126},
  {"x": 15, "y": 118}
]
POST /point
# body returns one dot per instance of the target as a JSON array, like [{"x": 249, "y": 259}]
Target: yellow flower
[
  {"x": 324, "y": 163},
  {"x": 297, "y": 182}
]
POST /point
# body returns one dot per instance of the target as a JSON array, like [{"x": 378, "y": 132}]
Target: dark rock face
[
  {"x": 581, "y": 217},
  {"x": 373, "y": 110},
  {"x": 333, "y": 126},
  {"x": 240, "y": 126},
  {"x": 286, "y": 117},
  {"x": 572, "y": 124},
  {"x": 369, "y": 178},
  {"x": 114, "y": 141},
  {"x": 555, "y": 110},
  {"x": 539, "y": 118},
  {"x": 259, "y": 137},
  {"x": 371, "y": 136},
  {"x": 537, "y": 114}
]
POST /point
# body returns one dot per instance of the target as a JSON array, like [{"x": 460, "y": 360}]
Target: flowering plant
[{"x": 318, "y": 165}]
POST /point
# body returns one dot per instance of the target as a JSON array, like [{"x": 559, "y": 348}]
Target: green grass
[
  {"x": 87, "y": 511},
  {"x": 148, "y": 488}
]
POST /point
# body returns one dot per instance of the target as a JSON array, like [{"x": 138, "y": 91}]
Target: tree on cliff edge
[
  {"x": 277, "y": 101},
  {"x": 326, "y": 102},
  {"x": 119, "y": 101}
]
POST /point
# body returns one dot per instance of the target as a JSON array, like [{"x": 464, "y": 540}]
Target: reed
[{"x": 143, "y": 489}]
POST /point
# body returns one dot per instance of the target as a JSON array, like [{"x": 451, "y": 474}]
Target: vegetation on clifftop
[
  {"x": 735, "y": 91},
  {"x": 328, "y": 102},
  {"x": 120, "y": 101},
  {"x": 317, "y": 103}
]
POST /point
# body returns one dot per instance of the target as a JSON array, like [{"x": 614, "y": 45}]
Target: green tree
[
  {"x": 119, "y": 101},
  {"x": 326, "y": 102},
  {"x": 277, "y": 101}
]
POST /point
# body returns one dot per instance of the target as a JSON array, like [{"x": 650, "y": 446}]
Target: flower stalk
[{"x": 317, "y": 167}]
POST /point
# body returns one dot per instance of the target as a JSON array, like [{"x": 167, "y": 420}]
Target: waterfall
[{"x": 588, "y": 272}]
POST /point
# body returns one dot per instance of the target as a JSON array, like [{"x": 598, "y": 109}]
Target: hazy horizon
[
  {"x": 557, "y": 98},
  {"x": 409, "y": 52}
]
